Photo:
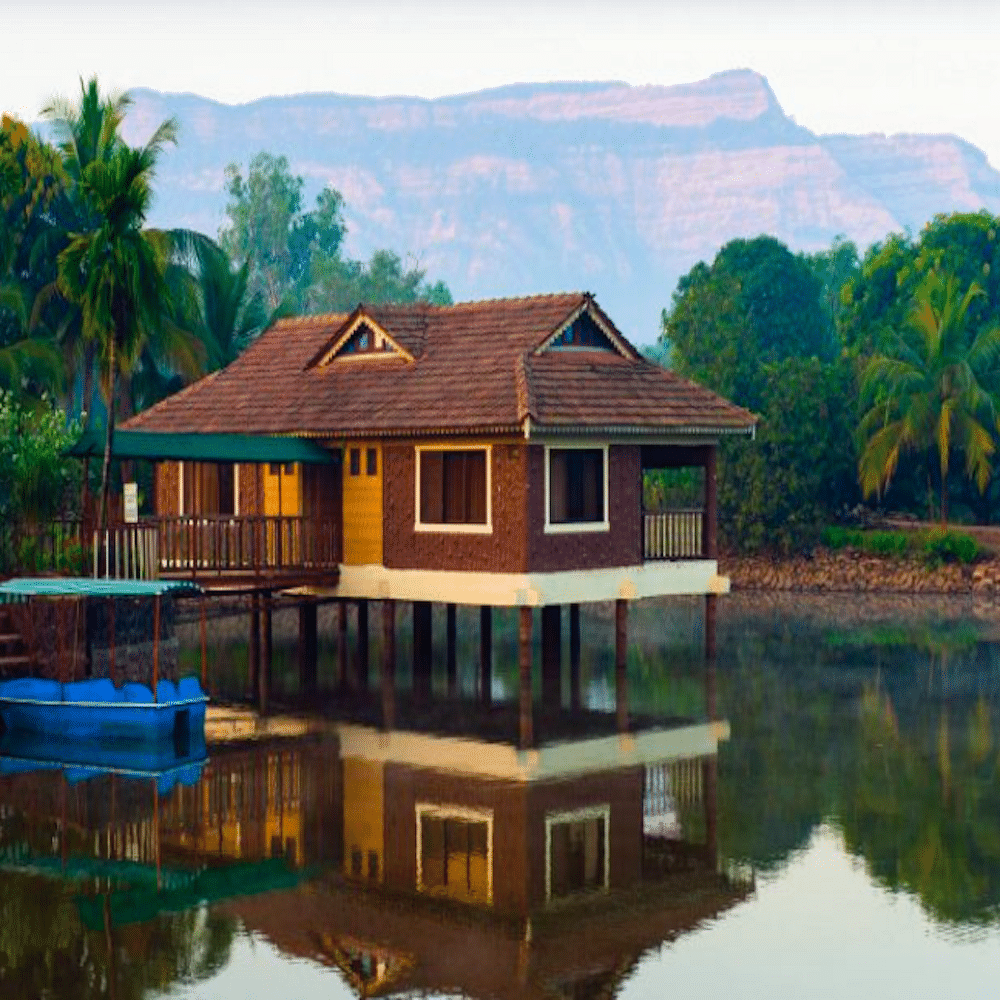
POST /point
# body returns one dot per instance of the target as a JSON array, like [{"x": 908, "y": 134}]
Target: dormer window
[
  {"x": 365, "y": 340},
  {"x": 583, "y": 333}
]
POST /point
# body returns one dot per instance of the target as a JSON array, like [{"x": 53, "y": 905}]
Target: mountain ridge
[{"x": 530, "y": 187}]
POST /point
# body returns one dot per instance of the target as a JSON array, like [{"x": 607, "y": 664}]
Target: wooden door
[{"x": 363, "y": 504}]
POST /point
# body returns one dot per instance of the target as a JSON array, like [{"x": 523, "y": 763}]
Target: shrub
[{"x": 948, "y": 546}]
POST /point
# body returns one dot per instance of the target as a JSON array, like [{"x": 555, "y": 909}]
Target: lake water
[{"x": 817, "y": 814}]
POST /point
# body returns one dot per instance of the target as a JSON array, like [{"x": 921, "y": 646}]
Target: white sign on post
[{"x": 130, "y": 494}]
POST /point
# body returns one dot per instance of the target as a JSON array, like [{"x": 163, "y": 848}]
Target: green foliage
[
  {"x": 779, "y": 491},
  {"x": 36, "y": 480},
  {"x": 294, "y": 257},
  {"x": 934, "y": 547},
  {"x": 933, "y": 391}
]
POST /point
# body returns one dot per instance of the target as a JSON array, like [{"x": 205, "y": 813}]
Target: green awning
[
  {"x": 203, "y": 447},
  {"x": 85, "y": 586}
]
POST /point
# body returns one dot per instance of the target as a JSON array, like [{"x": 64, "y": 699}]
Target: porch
[{"x": 679, "y": 502}]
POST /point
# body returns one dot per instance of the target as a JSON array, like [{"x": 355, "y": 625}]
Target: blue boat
[{"x": 96, "y": 709}]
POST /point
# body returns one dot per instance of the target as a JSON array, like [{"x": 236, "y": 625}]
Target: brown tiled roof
[{"x": 475, "y": 368}]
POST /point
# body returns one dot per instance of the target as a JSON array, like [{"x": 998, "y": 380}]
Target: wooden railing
[
  {"x": 126, "y": 552},
  {"x": 674, "y": 534},
  {"x": 206, "y": 544}
]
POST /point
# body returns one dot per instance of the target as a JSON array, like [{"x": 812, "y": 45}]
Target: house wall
[
  {"x": 406, "y": 786},
  {"x": 621, "y": 545},
  {"x": 621, "y": 791},
  {"x": 167, "y": 490},
  {"x": 502, "y": 551}
]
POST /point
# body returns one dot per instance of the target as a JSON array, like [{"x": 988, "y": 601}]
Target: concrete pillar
[
  {"x": 362, "y": 658},
  {"x": 451, "y": 639},
  {"x": 341, "y": 645},
  {"x": 308, "y": 646},
  {"x": 552, "y": 656},
  {"x": 486, "y": 654},
  {"x": 388, "y": 679},
  {"x": 621, "y": 664},
  {"x": 423, "y": 657},
  {"x": 266, "y": 657},
  {"x": 253, "y": 647},
  {"x": 574, "y": 657},
  {"x": 524, "y": 647}
]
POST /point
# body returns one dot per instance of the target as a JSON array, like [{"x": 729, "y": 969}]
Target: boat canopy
[
  {"x": 158, "y": 446},
  {"x": 84, "y": 586}
]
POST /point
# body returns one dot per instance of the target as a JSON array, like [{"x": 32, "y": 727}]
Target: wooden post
[
  {"x": 253, "y": 647},
  {"x": 524, "y": 649},
  {"x": 451, "y": 630},
  {"x": 361, "y": 673},
  {"x": 621, "y": 664},
  {"x": 423, "y": 663},
  {"x": 388, "y": 679},
  {"x": 552, "y": 656},
  {"x": 111, "y": 642},
  {"x": 711, "y": 608},
  {"x": 341, "y": 645},
  {"x": 266, "y": 649},
  {"x": 486, "y": 653},
  {"x": 711, "y": 505},
  {"x": 204, "y": 647},
  {"x": 574, "y": 657},
  {"x": 156, "y": 647},
  {"x": 308, "y": 646}
]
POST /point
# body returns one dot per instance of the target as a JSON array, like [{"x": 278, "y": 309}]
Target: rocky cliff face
[{"x": 597, "y": 186}]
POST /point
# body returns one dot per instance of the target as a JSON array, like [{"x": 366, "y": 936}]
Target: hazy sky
[{"x": 852, "y": 66}]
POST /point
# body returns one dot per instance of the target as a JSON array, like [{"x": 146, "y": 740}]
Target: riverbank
[{"x": 848, "y": 570}]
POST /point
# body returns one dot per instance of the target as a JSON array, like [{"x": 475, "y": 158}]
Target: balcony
[{"x": 674, "y": 534}]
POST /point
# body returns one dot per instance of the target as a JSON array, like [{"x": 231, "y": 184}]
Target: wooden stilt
[
  {"x": 711, "y": 609},
  {"x": 342, "y": 645},
  {"x": 423, "y": 663},
  {"x": 204, "y": 646},
  {"x": 266, "y": 658},
  {"x": 574, "y": 656},
  {"x": 253, "y": 647},
  {"x": 486, "y": 653},
  {"x": 308, "y": 646},
  {"x": 111, "y": 642},
  {"x": 361, "y": 671},
  {"x": 621, "y": 664},
  {"x": 526, "y": 735},
  {"x": 156, "y": 647},
  {"x": 451, "y": 656},
  {"x": 552, "y": 656},
  {"x": 388, "y": 678}
]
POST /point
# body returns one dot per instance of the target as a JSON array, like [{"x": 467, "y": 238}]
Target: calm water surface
[{"x": 817, "y": 815}]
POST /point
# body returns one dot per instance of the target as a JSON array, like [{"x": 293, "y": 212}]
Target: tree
[
  {"x": 757, "y": 303},
  {"x": 929, "y": 394},
  {"x": 294, "y": 257},
  {"x": 116, "y": 271},
  {"x": 268, "y": 230}
]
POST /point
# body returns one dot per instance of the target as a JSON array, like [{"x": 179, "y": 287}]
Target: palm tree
[
  {"x": 115, "y": 271},
  {"x": 86, "y": 133},
  {"x": 930, "y": 394}
]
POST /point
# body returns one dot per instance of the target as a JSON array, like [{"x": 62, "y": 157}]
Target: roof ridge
[{"x": 525, "y": 394}]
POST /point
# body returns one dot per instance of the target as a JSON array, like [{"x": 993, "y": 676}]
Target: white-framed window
[
  {"x": 453, "y": 489},
  {"x": 576, "y": 488},
  {"x": 577, "y": 855},
  {"x": 455, "y": 852}
]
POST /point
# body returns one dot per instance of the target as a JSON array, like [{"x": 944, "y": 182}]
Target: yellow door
[
  {"x": 283, "y": 499},
  {"x": 362, "y": 504}
]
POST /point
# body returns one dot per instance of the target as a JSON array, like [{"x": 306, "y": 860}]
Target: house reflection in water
[{"x": 443, "y": 862}]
